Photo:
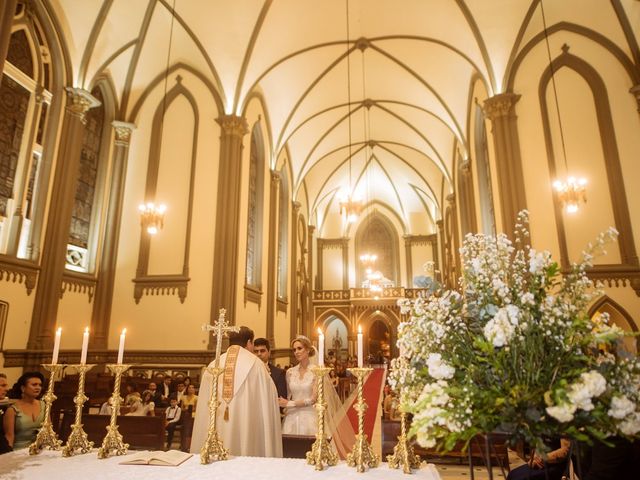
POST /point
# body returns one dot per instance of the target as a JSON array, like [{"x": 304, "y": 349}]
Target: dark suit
[
  {"x": 279, "y": 379},
  {"x": 621, "y": 461},
  {"x": 4, "y": 446}
]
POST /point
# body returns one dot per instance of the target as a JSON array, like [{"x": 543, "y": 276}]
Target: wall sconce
[{"x": 152, "y": 217}]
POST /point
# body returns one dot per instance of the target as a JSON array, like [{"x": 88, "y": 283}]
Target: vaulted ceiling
[{"x": 411, "y": 64}]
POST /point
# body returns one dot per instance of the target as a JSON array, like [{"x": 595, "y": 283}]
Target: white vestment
[{"x": 253, "y": 428}]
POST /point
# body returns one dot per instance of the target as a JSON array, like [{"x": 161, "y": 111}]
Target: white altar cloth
[{"x": 52, "y": 466}]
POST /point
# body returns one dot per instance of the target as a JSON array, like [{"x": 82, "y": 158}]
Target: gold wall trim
[
  {"x": 160, "y": 285},
  {"x": 281, "y": 305},
  {"x": 20, "y": 271},
  {"x": 78, "y": 283}
]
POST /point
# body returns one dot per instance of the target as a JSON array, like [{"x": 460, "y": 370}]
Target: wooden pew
[
  {"x": 141, "y": 433},
  {"x": 296, "y": 446}
]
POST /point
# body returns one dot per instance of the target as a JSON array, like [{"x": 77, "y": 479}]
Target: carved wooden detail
[
  {"x": 78, "y": 283},
  {"x": 160, "y": 285},
  {"x": 252, "y": 295},
  {"x": 21, "y": 271}
]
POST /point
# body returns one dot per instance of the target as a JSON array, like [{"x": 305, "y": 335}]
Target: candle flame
[
  {"x": 124, "y": 331},
  {"x": 59, "y": 331},
  {"x": 320, "y": 331},
  {"x": 86, "y": 329},
  {"x": 359, "y": 329}
]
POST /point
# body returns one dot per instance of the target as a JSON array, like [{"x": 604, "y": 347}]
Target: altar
[{"x": 52, "y": 466}]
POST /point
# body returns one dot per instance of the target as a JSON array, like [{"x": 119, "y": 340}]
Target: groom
[{"x": 248, "y": 418}]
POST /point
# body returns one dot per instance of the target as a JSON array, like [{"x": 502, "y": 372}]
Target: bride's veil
[{"x": 337, "y": 424}]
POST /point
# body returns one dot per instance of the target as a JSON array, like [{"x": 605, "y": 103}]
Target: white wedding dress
[{"x": 300, "y": 420}]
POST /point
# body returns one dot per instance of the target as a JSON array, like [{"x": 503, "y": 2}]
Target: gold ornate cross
[{"x": 219, "y": 329}]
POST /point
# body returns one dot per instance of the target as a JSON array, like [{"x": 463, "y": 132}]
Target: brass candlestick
[
  {"x": 46, "y": 437},
  {"x": 361, "y": 455},
  {"x": 213, "y": 450},
  {"x": 113, "y": 439},
  {"x": 403, "y": 454},
  {"x": 78, "y": 439},
  {"x": 321, "y": 452}
]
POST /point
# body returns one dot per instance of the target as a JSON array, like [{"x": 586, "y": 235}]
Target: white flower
[
  {"x": 621, "y": 407},
  {"x": 591, "y": 384},
  {"x": 538, "y": 261},
  {"x": 595, "y": 382},
  {"x": 500, "y": 329},
  {"x": 562, "y": 413},
  {"x": 439, "y": 369},
  {"x": 528, "y": 298},
  {"x": 631, "y": 426}
]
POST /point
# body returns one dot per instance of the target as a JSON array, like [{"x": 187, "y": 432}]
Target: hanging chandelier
[
  {"x": 350, "y": 206},
  {"x": 152, "y": 217},
  {"x": 572, "y": 191}
]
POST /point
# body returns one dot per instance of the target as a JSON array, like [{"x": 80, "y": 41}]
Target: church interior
[{"x": 301, "y": 165}]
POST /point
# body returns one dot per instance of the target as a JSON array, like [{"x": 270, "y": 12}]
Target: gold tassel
[{"x": 226, "y": 413}]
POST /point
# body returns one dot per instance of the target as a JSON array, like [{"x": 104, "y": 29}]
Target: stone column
[
  {"x": 440, "y": 251},
  {"x": 295, "y": 328},
  {"x": 319, "y": 264},
  {"x": 635, "y": 91},
  {"x": 345, "y": 263},
  {"x": 467, "y": 205},
  {"x": 272, "y": 276},
  {"x": 101, "y": 314},
  {"x": 308, "y": 322},
  {"x": 225, "y": 254},
  {"x": 25, "y": 165},
  {"x": 500, "y": 109},
  {"x": 408, "y": 244},
  {"x": 45, "y": 308},
  {"x": 7, "y": 12}
]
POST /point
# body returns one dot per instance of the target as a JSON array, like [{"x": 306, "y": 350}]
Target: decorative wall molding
[
  {"x": 78, "y": 283},
  {"x": 21, "y": 271},
  {"x": 252, "y": 295},
  {"x": 160, "y": 285},
  {"x": 616, "y": 276},
  {"x": 332, "y": 296},
  {"x": 281, "y": 305}
]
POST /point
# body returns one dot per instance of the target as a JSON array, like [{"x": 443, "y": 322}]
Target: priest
[{"x": 248, "y": 419}]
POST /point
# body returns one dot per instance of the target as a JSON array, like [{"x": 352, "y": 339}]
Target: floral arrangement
[{"x": 514, "y": 352}]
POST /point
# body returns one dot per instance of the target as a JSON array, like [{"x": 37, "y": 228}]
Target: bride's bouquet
[{"x": 514, "y": 352}]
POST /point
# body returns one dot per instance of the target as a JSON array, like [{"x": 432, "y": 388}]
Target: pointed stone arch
[{"x": 619, "y": 316}]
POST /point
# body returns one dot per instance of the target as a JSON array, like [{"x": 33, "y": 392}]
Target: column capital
[
  {"x": 233, "y": 125},
  {"x": 80, "y": 101},
  {"x": 311, "y": 229},
  {"x": 123, "y": 131},
  {"x": 451, "y": 199},
  {"x": 296, "y": 206},
  {"x": 275, "y": 178},
  {"x": 500, "y": 105},
  {"x": 635, "y": 91}
]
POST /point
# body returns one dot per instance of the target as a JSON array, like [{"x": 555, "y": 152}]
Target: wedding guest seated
[
  {"x": 105, "y": 408},
  {"x": 144, "y": 407},
  {"x": 155, "y": 393},
  {"x": 23, "y": 419},
  {"x": 4, "y": 403},
  {"x": 190, "y": 400},
  {"x": 172, "y": 418},
  {"x": 179, "y": 393},
  {"x": 187, "y": 382},
  {"x": 333, "y": 377},
  {"x": 165, "y": 391},
  {"x": 553, "y": 468},
  {"x": 131, "y": 394}
]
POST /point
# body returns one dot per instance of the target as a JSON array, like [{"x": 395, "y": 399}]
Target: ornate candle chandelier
[{"x": 572, "y": 191}]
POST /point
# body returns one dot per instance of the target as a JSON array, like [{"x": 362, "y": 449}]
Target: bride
[{"x": 300, "y": 418}]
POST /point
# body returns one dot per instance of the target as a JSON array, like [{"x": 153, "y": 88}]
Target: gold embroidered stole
[{"x": 228, "y": 377}]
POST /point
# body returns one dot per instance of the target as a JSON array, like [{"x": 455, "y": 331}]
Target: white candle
[
  {"x": 121, "y": 347},
  {"x": 320, "y": 348},
  {"x": 360, "y": 360},
  {"x": 85, "y": 346},
  {"x": 56, "y": 346}
]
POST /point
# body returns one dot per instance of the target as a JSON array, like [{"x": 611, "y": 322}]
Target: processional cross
[{"x": 219, "y": 329}]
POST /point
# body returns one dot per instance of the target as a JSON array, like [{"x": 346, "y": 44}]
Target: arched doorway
[
  {"x": 336, "y": 339},
  {"x": 618, "y": 316},
  {"x": 379, "y": 342}
]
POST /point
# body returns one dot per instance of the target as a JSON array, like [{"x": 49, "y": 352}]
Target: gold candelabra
[
  {"x": 361, "y": 455},
  {"x": 321, "y": 452},
  {"x": 78, "y": 439},
  {"x": 403, "y": 454},
  {"x": 113, "y": 439},
  {"x": 46, "y": 437},
  {"x": 213, "y": 450}
]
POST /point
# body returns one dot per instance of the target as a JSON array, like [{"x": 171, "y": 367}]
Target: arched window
[
  {"x": 283, "y": 234},
  {"x": 253, "y": 271},
  {"x": 376, "y": 235},
  {"x": 25, "y": 99},
  {"x": 88, "y": 189}
]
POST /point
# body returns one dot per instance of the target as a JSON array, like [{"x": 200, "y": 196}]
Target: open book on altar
[{"x": 171, "y": 458}]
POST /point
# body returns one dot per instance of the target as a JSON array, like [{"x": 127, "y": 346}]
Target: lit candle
[
  {"x": 121, "y": 347},
  {"x": 85, "y": 346},
  {"x": 360, "y": 360},
  {"x": 320, "y": 348},
  {"x": 56, "y": 346}
]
